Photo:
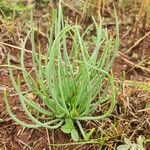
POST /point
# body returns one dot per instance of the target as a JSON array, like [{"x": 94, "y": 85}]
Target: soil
[{"x": 129, "y": 116}]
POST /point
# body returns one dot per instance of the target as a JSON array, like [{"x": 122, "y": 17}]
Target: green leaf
[
  {"x": 66, "y": 128},
  {"x": 74, "y": 135},
  {"x": 134, "y": 147},
  {"x": 123, "y": 147},
  {"x": 69, "y": 122},
  {"x": 140, "y": 141},
  {"x": 88, "y": 135}
]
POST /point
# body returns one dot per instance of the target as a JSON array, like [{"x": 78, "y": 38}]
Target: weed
[
  {"x": 132, "y": 146},
  {"x": 10, "y": 9},
  {"x": 68, "y": 82}
]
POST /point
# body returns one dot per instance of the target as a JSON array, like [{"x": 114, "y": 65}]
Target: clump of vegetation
[
  {"x": 132, "y": 146},
  {"x": 9, "y": 8},
  {"x": 71, "y": 83}
]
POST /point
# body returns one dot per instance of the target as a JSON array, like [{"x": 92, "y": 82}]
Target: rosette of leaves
[{"x": 67, "y": 80}]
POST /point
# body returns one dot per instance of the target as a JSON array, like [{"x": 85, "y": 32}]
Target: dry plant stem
[
  {"x": 129, "y": 82},
  {"x": 123, "y": 57},
  {"x": 72, "y": 8},
  {"x": 13, "y": 46},
  {"x": 138, "y": 64},
  {"x": 21, "y": 143},
  {"x": 48, "y": 139},
  {"x": 138, "y": 127},
  {"x": 137, "y": 42},
  {"x": 143, "y": 8},
  {"x": 144, "y": 110}
]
